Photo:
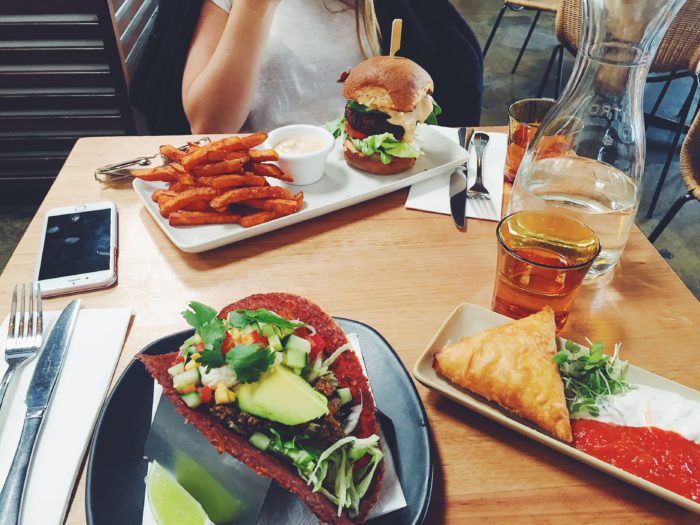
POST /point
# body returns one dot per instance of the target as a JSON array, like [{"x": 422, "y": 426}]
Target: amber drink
[
  {"x": 524, "y": 117},
  {"x": 542, "y": 260}
]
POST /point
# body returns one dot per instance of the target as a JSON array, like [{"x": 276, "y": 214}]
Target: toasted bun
[
  {"x": 373, "y": 164},
  {"x": 390, "y": 82}
]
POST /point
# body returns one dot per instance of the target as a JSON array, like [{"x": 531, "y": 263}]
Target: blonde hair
[
  {"x": 366, "y": 26},
  {"x": 364, "y": 9}
]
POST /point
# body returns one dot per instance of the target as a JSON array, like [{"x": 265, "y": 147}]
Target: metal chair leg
[
  {"x": 670, "y": 214},
  {"x": 527, "y": 40},
  {"x": 560, "y": 73},
  {"x": 685, "y": 109},
  {"x": 495, "y": 27},
  {"x": 548, "y": 70},
  {"x": 661, "y": 96}
]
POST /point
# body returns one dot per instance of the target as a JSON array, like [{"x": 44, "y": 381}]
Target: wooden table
[{"x": 401, "y": 272}]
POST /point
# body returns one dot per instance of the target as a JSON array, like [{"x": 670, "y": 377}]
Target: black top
[{"x": 434, "y": 35}]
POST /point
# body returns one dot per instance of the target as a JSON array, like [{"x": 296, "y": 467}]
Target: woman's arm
[{"x": 223, "y": 64}]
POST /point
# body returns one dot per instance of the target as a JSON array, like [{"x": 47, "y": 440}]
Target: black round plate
[{"x": 117, "y": 468}]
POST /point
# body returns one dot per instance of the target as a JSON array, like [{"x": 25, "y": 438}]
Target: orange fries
[{"x": 224, "y": 182}]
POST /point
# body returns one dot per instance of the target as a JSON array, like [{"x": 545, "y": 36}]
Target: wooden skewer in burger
[{"x": 387, "y": 97}]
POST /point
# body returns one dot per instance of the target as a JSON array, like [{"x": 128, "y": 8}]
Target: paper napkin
[
  {"x": 288, "y": 508},
  {"x": 87, "y": 372},
  {"x": 434, "y": 194}
]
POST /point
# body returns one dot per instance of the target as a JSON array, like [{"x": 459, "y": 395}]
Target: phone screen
[{"x": 76, "y": 243}]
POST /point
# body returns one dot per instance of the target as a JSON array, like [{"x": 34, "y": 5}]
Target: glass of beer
[
  {"x": 542, "y": 260},
  {"x": 524, "y": 117}
]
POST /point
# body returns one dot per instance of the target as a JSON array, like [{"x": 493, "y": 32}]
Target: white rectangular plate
[
  {"x": 469, "y": 319},
  {"x": 341, "y": 186}
]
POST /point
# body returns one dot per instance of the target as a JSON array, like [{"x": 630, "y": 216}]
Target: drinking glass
[
  {"x": 542, "y": 259},
  {"x": 524, "y": 117}
]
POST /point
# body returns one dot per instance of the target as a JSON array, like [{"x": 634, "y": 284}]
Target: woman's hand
[{"x": 223, "y": 64}]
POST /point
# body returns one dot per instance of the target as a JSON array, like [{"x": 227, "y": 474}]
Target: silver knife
[
  {"x": 458, "y": 184},
  {"x": 47, "y": 370}
]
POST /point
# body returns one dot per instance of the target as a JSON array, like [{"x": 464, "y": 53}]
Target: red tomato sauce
[{"x": 662, "y": 457}]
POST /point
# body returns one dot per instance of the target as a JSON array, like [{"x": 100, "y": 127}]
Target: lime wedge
[
  {"x": 170, "y": 503},
  {"x": 218, "y": 503}
]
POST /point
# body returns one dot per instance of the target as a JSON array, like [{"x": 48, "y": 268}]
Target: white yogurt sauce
[
  {"x": 212, "y": 377},
  {"x": 650, "y": 407},
  {"x": 300, "y": 145}
]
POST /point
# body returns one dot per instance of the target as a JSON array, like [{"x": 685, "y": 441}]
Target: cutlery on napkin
[
  {"x": 87, "y": 372},
  {"x": 433, "y": 194}
]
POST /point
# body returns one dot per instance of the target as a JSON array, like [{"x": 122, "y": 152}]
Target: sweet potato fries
[{"x": 221, "y": 183}]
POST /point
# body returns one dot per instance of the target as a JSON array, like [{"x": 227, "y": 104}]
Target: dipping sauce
[
  {"x": 662, "y": 457},
  {"x": 300, "y": 145}
]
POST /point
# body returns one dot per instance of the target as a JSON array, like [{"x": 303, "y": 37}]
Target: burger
[{"x": 387, "y": 98}]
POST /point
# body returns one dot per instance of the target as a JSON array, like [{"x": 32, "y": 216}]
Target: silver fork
[
  {"x": 478, "y": 191},
  {"x": 24, "y": 333}
]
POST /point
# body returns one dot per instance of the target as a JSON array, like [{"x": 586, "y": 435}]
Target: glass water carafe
[{"x": 587, "y": 158}]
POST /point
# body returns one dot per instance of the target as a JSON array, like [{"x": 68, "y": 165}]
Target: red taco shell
[{"x": 348, "y": 372}]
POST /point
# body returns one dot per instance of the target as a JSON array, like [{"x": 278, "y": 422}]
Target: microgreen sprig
[{"x": 589, "y": 375}]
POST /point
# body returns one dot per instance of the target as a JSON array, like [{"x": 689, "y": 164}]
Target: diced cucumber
[
  {"x": 274, "y": 342},
  {"x": 176, "y": 369},
  {"x": 267, "y": 330},
  {"x": 344, "y": 395},
  {"x": 294, "y": 358},
  {"x": 294, "y": 342},
  {"x": 248, "y": 329},
  {"x": 192, "y": 399},
  {"x": 298, "y": 371},
  {"x": 185, "y": 379},
  {"x": 260, "y": 440}
]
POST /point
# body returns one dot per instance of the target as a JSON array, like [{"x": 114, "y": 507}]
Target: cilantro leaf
[
  {"x": 198, "y": 314},
  {"x": 212, "y": 334},
  {"x": 241, "y": 318},
  {"x": 237, "y": 319},
  {"x": 250, "y": 361},
  {"x": 211, "y": 359}
]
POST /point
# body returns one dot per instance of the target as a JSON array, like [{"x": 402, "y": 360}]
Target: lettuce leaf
[
  {"x": 336, "y": 127},
  {"x": 386, "y": 146}
]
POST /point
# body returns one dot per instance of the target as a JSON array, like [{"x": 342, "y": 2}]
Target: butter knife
[
  {"x": 41, "y": 387},
  {"x": 458, "y": 184}
]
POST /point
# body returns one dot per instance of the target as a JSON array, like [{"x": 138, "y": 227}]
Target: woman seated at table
[{"x": 223, "y": 66}]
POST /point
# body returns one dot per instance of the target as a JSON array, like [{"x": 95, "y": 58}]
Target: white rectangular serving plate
[
  {"x": 340, "y": 187},
  {"x": 467, "y": 320}
]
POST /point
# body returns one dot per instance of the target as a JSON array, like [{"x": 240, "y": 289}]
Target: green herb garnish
[
  {"x": 250, "y": 361},
  {"x": 589, "y": 375},
  {"x": 241, "y": 318},
  {"x": 211, "y": 331}
]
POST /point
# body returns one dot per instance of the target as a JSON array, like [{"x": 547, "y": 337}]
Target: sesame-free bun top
[{"x": 396, "y": 83}]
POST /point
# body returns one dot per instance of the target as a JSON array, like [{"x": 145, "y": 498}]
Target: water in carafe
[{"x": 594, "y": 172}]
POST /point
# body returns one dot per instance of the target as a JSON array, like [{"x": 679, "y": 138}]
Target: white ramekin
[{"x": 305, "y": 168}]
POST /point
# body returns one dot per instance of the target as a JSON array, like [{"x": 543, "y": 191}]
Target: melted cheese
[{"x": 407, "y": 120}]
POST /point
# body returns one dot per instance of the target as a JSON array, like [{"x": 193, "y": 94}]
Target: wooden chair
[
  {"x": 538, "y": 6},
  {"x": 678, "y": 56},
  {"x": 690, "y": 173}
]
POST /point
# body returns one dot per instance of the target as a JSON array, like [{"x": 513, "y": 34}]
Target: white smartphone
[{"x": 78, "y": 249}]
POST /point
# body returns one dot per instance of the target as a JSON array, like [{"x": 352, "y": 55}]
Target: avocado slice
[{"x": 281, "y": 395}]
